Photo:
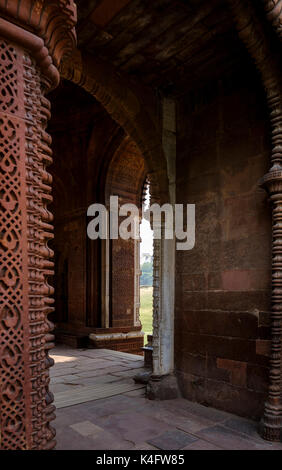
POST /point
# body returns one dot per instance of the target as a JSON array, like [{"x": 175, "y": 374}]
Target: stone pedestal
[
  {"x": 129, "y": 341},
  {"x": 148, "y": 353},
  {"x": 162, "y": 388}
]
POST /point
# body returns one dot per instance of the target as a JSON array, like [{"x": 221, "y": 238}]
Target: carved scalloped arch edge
[{"x": 52, "y": 20}]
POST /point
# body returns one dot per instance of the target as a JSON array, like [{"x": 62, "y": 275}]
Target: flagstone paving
[{"x": 99, "y": 407}]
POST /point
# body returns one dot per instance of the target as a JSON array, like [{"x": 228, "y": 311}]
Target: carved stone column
[
  {"x": 28, "y": 69},
  {"x": 272, "y": 420},
  {"x": 274, "y": 13},
  {"x": 271, "y": 428},
  {"x": 157, "y": 259},
  {"x": 137, "y": 275},
  {"x": 268, "y": 62},
  {"x": 163, "y": 384}
]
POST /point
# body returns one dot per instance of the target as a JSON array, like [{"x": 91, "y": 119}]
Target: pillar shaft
[
  {"x": 272, "y": 420},
  {"x": 272, "y": 182},
  {"x": 25, "y": 264},
  {"x": 27, "y": 72},
  {"x": 252, "y": 32}
]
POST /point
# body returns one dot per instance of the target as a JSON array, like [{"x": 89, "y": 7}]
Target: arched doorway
[
  {"x": 96, "y": 281},
  {"x": 99, "y": 155}
]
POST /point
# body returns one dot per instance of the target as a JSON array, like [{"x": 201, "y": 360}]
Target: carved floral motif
[{"x": 27, "y": 71}]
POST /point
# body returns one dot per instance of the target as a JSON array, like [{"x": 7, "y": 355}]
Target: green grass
[{"x": 146, "y": 310}]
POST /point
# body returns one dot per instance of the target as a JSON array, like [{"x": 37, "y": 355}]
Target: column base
[
  {"x": 270, "y": 432},
  {"x": 162, "y": 388},
  {"x": 130, "y": 342},
  {"x": 126, "y": 339}
]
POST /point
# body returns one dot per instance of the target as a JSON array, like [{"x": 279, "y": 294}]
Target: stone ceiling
[{"x": 167, "y": 44}]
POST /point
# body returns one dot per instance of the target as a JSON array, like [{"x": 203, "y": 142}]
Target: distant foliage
[{"x": 147, "y": 274}]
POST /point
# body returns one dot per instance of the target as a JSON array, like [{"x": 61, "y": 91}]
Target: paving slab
[
  {"x": 87, "y": 428},
  {"x": 89, "y": 393},
  {"x": 132, "y": 426},
  {"x": 172, "y": 440},
  {"x": 99, "y": 407},
  {"x": 229, "y": 439},
  {"x": 201, "y": 445},
  {"x": 185, "y": 422}
]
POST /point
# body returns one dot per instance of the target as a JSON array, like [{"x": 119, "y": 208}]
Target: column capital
[{"x": 45, "y": 28}]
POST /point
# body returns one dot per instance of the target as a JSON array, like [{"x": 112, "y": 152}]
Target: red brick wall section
[
  {"x": 122, "y": 276},
  {"x": 223, "y": 284},
  {"x": 82, "y": 159},
  {"x": 125, "y": 178},
  {"x": 70, "y": 134}
]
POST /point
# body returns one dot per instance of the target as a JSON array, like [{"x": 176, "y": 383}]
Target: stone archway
[
  {"x": 128, "y": 108},
  {"x": 35, "y": 58},
  {"x": 125, "y": 102},
  {"x": 121, "y": 264},
  {"x": 35, "y": 36}
]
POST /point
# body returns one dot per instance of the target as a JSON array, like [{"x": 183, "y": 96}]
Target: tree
[{"x": 147, "y": 274}]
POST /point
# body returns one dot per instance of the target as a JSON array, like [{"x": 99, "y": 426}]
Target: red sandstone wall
[
  {"x": 122, "y": 283},
  {"x": 223, "y": 285},
  {"x": 71, "y": 255},
  {"x": 71, "y": 128},
  {"x": 91, "y": 157},
  {"x": 125, "y": 178},
  {"x": 70, "y": 228}
]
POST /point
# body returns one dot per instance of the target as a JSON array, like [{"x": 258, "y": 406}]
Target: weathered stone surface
[
  {"x": 218, "y": 67},
  {"x": 102, "y": 160},
  {"x": 224, "y": 283},
  {"x": 163, "y": 388},
  {"x": 172, "y": 440},
  {"x": 142, "y": 377}
]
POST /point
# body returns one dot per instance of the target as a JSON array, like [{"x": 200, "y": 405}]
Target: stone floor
[{"x": 99, "y": 407}]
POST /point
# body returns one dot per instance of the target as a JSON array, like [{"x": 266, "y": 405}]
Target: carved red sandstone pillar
[
  {"x": 274, "y": 13},
  {"x": 268, "y": 63},
  {"x": 34, "y": 35},
  {"x": 272, "y": 422}
]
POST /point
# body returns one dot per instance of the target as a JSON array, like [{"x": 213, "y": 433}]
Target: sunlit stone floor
[{"x": 99, "y": 407}]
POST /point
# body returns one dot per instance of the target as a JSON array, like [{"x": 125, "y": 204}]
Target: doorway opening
[
  {"x": 96, "y": 281},
  {"x": 99, "y": 337},
  {"x": 146, "y": 278}
]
